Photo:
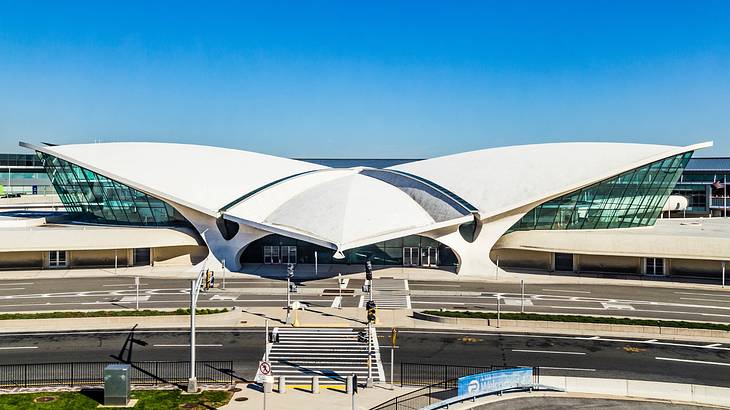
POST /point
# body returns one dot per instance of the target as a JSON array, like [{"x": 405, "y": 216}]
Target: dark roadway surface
[
  {"x": 701, "y": 304},
  {"x": 584, "y": 357}
]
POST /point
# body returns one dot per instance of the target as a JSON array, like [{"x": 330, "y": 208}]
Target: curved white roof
[
  {"x": 200, "y": 177},
  {"x": 497, "y": 180},
  {"x": 346, "y": 208}
]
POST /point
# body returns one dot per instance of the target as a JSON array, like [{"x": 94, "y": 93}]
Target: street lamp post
[
  {"x": 289, "y": 275},
  {"x": 195, "y": 285},
  {"x": 369, "y": 277}
]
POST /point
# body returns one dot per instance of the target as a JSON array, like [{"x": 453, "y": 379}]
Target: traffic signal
[
  {"x": 368, "y": 270},
  {"x": 370, "y": 306},
  {"x": 207, "y": 279}
]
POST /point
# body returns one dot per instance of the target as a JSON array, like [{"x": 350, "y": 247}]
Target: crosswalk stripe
[{"x": 328, "y": 353}]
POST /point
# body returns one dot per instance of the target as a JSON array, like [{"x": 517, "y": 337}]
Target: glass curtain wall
[
  {"x": 95, "y": 198},
  {"x": 633, "y": 198},
  {"x": 381, "y": 253}
]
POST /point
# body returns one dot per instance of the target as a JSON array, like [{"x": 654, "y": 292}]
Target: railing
[
  {"x": 422, "y": 397},
  {"x": 719, "y": 202},
  {"x": 422, "y": 374},
  {"x": 412, "y": 374},
  {"x": 92, "y": 373}
]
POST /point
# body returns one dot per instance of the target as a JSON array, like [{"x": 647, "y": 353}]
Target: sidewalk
[{"x": 296, "y": 399}]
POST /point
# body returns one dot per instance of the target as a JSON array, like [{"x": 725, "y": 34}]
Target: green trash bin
[{"x": 117, "y": 384}]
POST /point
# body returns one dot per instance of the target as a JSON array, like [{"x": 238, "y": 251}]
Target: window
[
  {"x": 654, "y": 266},
  {"x": 633, "y": 198},
  {"x": 98, "y": 199},
  {"x": 57, "y": 259},
  {"x": 271, "y": 255}
]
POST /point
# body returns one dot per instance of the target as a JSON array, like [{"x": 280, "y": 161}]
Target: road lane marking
[
  {"x": 336, "y": 302},
  {"x": 713, "y": 345},
  {"x": 547, "y": 351},
  {"x": 702, "y": 294},
  {"x": 616, "y": 306},
  {"x": 577, "y": 369},
  {"x": 706, "y": 300},
  {"x": 434, "y": 285},
  {"x": 12, "y": 288},
  {"x": 16, "y": 284},
  {"x": 671, "y": 359},
  {"x": 18, "y": 347},
  {"x": 567, "y": 291},
  {"x": 188, "y": 345}
]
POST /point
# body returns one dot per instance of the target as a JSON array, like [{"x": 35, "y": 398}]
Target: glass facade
[
  {"x": 633, "y": 198},
  {"x": 95, "y": 198},
  {"x": 381, "y": 253}
]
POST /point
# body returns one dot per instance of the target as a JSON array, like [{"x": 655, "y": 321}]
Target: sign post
[
  {"x": 393, "y": 346},
  {"x": 136, "y": 299}
]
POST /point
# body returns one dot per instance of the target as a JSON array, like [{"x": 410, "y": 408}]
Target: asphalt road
[
  {"x": 599, "y": 299},
  {"x": 556, "y": 355}
]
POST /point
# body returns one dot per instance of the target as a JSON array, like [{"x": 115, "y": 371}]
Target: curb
[{"x": 577, "y": 327}]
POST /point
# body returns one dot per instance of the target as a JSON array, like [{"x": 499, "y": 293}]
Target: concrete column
[
  {"x": 576, "y": 263},
  {"x": 315, "y": 384},
  {"x": 552, "y": 261},
  {"x": 268, "y": 387},
  {"x": 282, "y": 384},
  {"x": 642, "y": 266}
]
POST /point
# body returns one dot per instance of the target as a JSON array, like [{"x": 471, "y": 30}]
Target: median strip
[
  {"x": 579, "y": 319},
  {"x": 106, "y": 313}
]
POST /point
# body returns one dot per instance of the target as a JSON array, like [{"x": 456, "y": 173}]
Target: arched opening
[{"x": 413, "y": 250}]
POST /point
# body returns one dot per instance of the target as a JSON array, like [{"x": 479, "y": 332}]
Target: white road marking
[
  {"x": 650, "y": 341},
  {"x": 547, "y": 351},
  {"x": 671, "y": 359},
  {"x": 344, "y": 283},
  {"x": 566, "y": 291},
  {"x": 707, "y": 300},
  {"x": 223, "y": 297},
  {"x": 16, "y": 284},
  {"x": 122, "y": 285},
  {"x": 702, "y": 294},
  {"x": 18, "y": 347},
  {"x": 134, "y": 298},
  {"x": 713, "y": 345},
  {"x": 419, "y": 285},
  {"x": 617, "y": 306},
  {"x": 593, "y": 337},
  {"x": 336, "y": 302},
  {"x": 12, "y": 288},
  {"x": 188, "y": 345},
  {"x": 516, "y": 302},
  {"x": 361, "y": 303},
  {"x": 577, "y": 369}
]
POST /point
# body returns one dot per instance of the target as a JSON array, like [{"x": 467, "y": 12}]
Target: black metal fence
[
  {"x": 425, "y": 374},
  {"x": 92, "y": 373},
  {"x": 420, "y": 398}
]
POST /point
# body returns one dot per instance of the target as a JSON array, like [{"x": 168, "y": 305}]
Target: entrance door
[
  {"x": 288, "y": 254},
  {"x": 141, "y": 257},
  {"x": 271, "y": 255},
  {"x": 411, "y": 256},
  {"x": 655, "y": 266},
  {"x": 429, "y": 256},
  {"x": 564, "y": 262}
]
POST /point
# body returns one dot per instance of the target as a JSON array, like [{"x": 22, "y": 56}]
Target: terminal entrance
[{"x": 411, "y": 251}]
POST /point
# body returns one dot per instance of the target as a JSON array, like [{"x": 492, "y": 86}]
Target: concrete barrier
[
  {"x": 688, "y": 393},
  {"x": 578, "y": 328}
]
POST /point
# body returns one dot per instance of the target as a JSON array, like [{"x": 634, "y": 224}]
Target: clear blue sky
[{"x": 378, "y": 79}]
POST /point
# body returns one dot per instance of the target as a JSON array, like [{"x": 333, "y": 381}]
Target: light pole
[
  {"x": 224, "y": 275},
  {"x": 371, "y": 319},
  {"x": 195, "y": 285},
  {"x": 289, "y": 275}
]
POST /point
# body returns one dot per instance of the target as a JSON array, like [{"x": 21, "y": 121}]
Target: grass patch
[
  {"x": 107, "y": 313},
  {"x": 148, "y": 400},
  {"x": 580, "y": 319}
]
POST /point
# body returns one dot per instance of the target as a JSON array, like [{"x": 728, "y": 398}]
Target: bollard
[
  {"x": 268, "y": 387},
  {"x": 282, "y": 384},
  {"x": 315, "y": 384},
  {"x": 349, "y": 385}
]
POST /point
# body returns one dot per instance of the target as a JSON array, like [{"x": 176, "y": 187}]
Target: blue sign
[{"x": 495, "y": 381}]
